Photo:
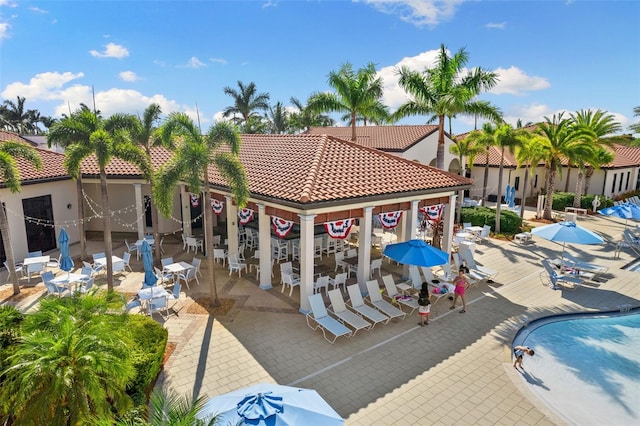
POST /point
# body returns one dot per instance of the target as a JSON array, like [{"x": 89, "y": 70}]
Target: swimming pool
[{"x": 586, "y": 368}]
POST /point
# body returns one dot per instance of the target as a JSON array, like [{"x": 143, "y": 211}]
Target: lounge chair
[
  {"x": 393, "y": 294},
  {"x": 572, "y": 262},
  {"x": 321, "y": 318},
  {"x": 551, "y": 277},
  {"x": 375, "y": 298},
  {"x": 473, "y": 275},
  {"x": 467, "y": 256},
  {"x": 357, "y": 304},
  {"x": 344, "y": 315},
  {"x": 439, "y": 289}
]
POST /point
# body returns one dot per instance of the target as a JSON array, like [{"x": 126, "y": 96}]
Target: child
[
  {"x": 519, "y": 352},
  {"x": 424, "y": 305},
  {"x": 461, "y": 284}
]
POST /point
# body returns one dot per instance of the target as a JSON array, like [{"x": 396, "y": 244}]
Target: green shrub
[
  {"x": 562, "y": 200},
  {"x": 586, "y": 202},
  {"x": 510, "y": 222},
  {"x": 149, "y": 341},
  {"x": 10, "y": 320}
]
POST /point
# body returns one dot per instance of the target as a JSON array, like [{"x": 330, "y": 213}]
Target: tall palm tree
[
  {"x": 505, "y": 138},
  {"x": 279, "y": 119},
  {"x": 485, "y": 138},
  {"x": 562, "y": 140},
  {"x": 303, "y": 119},
  {"x": 464, "y": 148},
  {"x": 600, "y": 157},
  {"x": 357, "y": 93},
  {"x": 528, "y": 152},
  {"x": 111, "y": 139},
  {"x": 444, "y": 91},
  {"x": 246, "y": 102},
  {"x": 635, "y": 127},
  {"x": 19, "y": 119},
  {"x": 9, "y": 153},
  {"x": 71, "y": 367},
  {"x": 190, "y": 163},
  {"x": 141, "y": 135}
]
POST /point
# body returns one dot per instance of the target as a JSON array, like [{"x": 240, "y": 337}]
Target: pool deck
[{"x": 456, "y": 370}]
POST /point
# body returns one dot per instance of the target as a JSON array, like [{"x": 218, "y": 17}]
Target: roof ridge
[{"x": 312, "y": 175}]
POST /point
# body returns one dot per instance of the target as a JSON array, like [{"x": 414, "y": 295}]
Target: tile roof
[
  {"x": 626, "y": 156},
  {"x": 384, "y": 138},
  {"x": 52, "y": 168},
  {"x": 14, "y": 137}
]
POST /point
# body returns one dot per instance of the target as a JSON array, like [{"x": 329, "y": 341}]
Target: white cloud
[
  {"x": 4, "y": 30},
  {"x": 497, "y": 25},
  {"x": 45, "y": 86},
  {"x": 269, "y": 3},
  {"x": 194, "y": 62},
  {"x": 219, "y": 60},
  {"x": 418, "y": 12},
  {"x": 8, "y": 3},
  {"x": 534, "y": 113},
  {"x": 38, "y": 10},
  {"x": 111, "y": 50},
  {"x": 128, "y": 76},
  {"x": 514, "y": 81}
]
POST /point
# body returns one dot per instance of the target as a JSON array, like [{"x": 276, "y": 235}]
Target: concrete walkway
[{"x": 457, "y": 370}]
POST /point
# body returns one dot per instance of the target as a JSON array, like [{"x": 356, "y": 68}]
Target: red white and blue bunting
[
  {"x": 281, "y": 227},
  {"x": 245, "y": 215},
  {"x": 195, "y": 199},
  {"x": 216, "y": 206},
  {"x": 339, "y": 229},
  {"x": 390, "y": 220},
  {"x": 433, "y": 213}
]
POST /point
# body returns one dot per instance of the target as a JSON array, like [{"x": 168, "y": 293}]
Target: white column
[
  {"x": 364, "y": 249},
  {"x": 137, "y": 189},
  {"x": 232, "y": 225},
  {"x": 411, "y": 223},
  {"x": 306, "y": 260},
  {"x": 449, "y": 217},
  {"x": 264, "y": 237},
  {"x": 186, "y": 210}
]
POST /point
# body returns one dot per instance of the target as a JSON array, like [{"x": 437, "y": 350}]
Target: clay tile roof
[
  {"x": 494, "y": 158},
  {"x": 385, "y": 138},
  {"x": 625, "y": 156},
  {"x": 52, "y": 168},
  {"x": 13, "y": 137},
  {"x": 316, "y": 168}
]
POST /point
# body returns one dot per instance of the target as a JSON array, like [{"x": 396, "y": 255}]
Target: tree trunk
[
  {"x": 587, "y": 179},
  {"x": 106, "y": 220},
  {"x": 83, "y": 237},
  {"x": 577, "y": 197},
  {"x": 460, "y": 196},
  {"x": 8, "y": 250},
  {"x": 486, "y": 179},
  {"x": 566, "y": 184},
  {"x": 499, "y": 204},
  {"x": 523, "y": 203},
  {"x": 551, "y": 178},
  {"x": 440, "y": 152},
  {"x": 353, "y": 128},
  {"x": 156, "y": 233},
  {"x": 208, "y": 217}
]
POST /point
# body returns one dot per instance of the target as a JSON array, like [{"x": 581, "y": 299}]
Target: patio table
[
  {"x": 148, "y": 293},
  {"x": 475, "y": 230},
  {"x": 33, "y": 261},
  {"x": 69, "y": 280},
  {"x": 177, "y": 268},
  {"x": 102, "y": 261}
]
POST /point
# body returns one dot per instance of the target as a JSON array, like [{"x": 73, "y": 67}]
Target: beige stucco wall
[{"x": 426, "y": 150}]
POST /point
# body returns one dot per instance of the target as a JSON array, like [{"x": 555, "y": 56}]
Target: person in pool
[{"x": 519, "y": 352}]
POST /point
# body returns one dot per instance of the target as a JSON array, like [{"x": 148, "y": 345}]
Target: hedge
[
  {"x": 510, "y": 222},
  {"x": 565, "y": 199}
]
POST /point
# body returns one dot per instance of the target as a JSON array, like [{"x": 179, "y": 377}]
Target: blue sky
[{"x": 551, "y": 55}]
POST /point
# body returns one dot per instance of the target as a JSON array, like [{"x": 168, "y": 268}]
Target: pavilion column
[
  {"x": 137, "y": 189},
  {"x": 364, "y": 249},
  {"x": 306, "y": 260},
  {"x": 264, "y": 238},
  {"x": 411, "y": 223},
  {"x": 232, "y": 225},
  {"x": 185, "y": 204},
  {"x": 449, "y": 217}
]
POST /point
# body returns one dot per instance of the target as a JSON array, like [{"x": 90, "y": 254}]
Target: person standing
[
  {"x": 424, "y": 303},
  {"x": 461, "y": 284},
  {"x": 518, "y": 352}
]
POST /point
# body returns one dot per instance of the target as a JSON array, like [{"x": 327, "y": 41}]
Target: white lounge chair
[
  {"x": 375, "y": 298},
  {"x": 322, "y": 320},
  {"x": 467, "y": 256},
  {"x": 572, "y": 262},
  {"x": 344, "y": 315},
  {"x": 357, "y": 304},
  {"x": 473, "y": 275},
  {"x": 393, "y": 294},
  {"x": 551, "y": 276}
]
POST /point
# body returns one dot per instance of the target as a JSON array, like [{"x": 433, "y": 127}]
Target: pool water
[{"x": 586, "y": 369}]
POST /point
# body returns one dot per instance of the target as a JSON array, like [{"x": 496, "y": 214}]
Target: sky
[{"x": 550, "y": 55}]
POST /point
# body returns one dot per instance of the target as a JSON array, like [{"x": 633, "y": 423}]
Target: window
[
  {"x": 626, "y": 185},
  {"x": 516, "y": 184},
  {"x": 535, "y": 182},
  {"x": 620, "y": 184},
  {"x": 613, "y": 187}
]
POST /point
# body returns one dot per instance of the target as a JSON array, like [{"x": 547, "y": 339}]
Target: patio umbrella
[
  {"x": 567, "y": 232},
  {"x": 271, "y": 405},
  {"x": 416, "y": 252},
  {"x": 66, "y": 263},
  {"x": 624, "y": 211},
  {"x": 150, "y": 278}
]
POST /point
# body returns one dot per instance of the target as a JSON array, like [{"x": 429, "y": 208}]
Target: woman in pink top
[{"x": 461, "y": 284}]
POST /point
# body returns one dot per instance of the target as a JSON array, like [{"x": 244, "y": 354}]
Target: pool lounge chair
[
  {"x": 356, "y": 302},
  {"x": 391, "y": 289},
  {"x": 467, "y": 256},
  {"x": 551, "y": 276},
  {"x": 375, "y": 298},
  {"x": 572, "y": 262},
  {"x": 344, "y": 315},
  {"x": 320, "y": 317},
  {"x": 473, "y": 275}
]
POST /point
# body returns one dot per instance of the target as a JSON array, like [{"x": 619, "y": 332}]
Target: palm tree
[
  {"x": 635, "y": 127},
  {"x": 485, "y": 138},
  {"x": 561, "y": 140},
  {"x": 464, "y": 148},
  {"x": 19, "y": 119},
  {"x": 528, "y": 152},
  {"x": 141, "y": 135},
  {"x": 357, "y": 93},
  {"x": 190, "y": 163},
  {"x": 600, "y": 157},
  {"x": 9, "y": 153},
  {"x": 71, "y": 366},
  {"x": 505, "y": 138},
  {"x": 443, "y": 91},
  {"x": 246, "y": 102},
  {"x": 167, "y": 408},
  {"x": 279, "y": 119},
  {"x": 303, "y": 119},
  {"x": 110, "y": 139}
]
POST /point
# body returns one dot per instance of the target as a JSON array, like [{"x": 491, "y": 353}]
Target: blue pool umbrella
[
  {"x": 66, "y": 263},
  {"x": 150, "y": 278},
  {"x": 567, "y": 232},
  {"x": 624, "y": 211},
  {"x": 271, "y": 405},
  {"x": 416, "y": 252}
]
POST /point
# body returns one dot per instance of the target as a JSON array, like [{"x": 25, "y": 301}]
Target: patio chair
[
  {"x": 197, "y": 262},
  {"x": 569, "y": 282},
  {"x": 375, "y": 298},
  {"x": 175, "y": 294},
  {"x": 97, "y": 256},
  {"x": 216, "y": 240},
  {"x": 193, "y": 243},
  {"x": 467, "y": 256},
  {"x": 164, "y": 279},
  {"x": 132, "y": 248},
  {"x": 473, "y": 275},
  {"x": 484, "y": 234},
  {"x": 135, "y": 303},
  {"x": 47, "y": 276},
  {"x": 53, "y": 263},
  {"x": 19, "y": 271},
  {"x": 339, "y": 280},
  {"x": 466, "y": 225},
  {"x": 126, "y": 258},
  {"x": 287, "y": 268},
  {"x": 188, "y": 275},
  {"x": 184, "y": 241},
  {"x": 34, "y": 268},
  {"x": 289, "y": 280},
  {"x": 321, "y": 283},
  {"x": 159, "y": 305},
  {"x": 344, "y": 315},
  {"x": 166, "y": 261},
  {"x": 55, "y": 290},
  {"x": 330, "y": 246},
  {"x": 317, "y": 247},
  {"x": 375, "y": 264},
  {"x": 94, "y": 269},
  {"x": 36, "y": 253},
  {"x": 356, "y": 302},
  {"x": 84, "y": 289},
  {"x": 279, "y": 250},
  {"x": 393, "y": 294},
  {"x": 414, "y": 277},
  {"x": 219, "y": 255},
  {"x": 340, "y": 263},
  {"x": 321, "y": 318},
  {"x": 236, "y": 266}
]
